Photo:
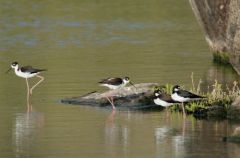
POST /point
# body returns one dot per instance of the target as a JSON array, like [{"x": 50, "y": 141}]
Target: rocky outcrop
[
  {"x": 211, "y": 112},
  {"x": 126, "y": 98},
  {"x": 220, "y": 21},
  {"x": 221, "y": 111}
]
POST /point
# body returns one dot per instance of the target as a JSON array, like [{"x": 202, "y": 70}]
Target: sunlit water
[{"x": 80, "y": 42}]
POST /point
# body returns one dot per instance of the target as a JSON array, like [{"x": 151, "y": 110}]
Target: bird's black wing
[
  {"x": 30, "y": 69},
  {"x": 112, "y": 81},
  {"x": 187, "y": 94}
]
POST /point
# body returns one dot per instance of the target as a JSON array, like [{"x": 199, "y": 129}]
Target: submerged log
[
  {"x": 220, "y": 21},
  {"x": 125, "y": 98}
]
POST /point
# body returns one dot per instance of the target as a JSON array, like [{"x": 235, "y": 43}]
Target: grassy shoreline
[{"x": 218, "y": 102}]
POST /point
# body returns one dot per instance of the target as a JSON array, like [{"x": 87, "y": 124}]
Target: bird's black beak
[
  {"x": 133, "y": 84},
  {"x": 8, "y": 70}
]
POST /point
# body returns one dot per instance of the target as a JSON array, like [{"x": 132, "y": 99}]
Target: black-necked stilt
[
  {"x": 182, "y": 96},
  {"x": 115, "y": 83},
  {"x": 27, "y": 72},
  {"x": 163, "y": 99}
]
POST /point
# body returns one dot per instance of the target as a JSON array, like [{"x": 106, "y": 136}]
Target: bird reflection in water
[
  {"x": 27, "y": 128},
  {"x": 29, "y": 107},
  {"x": 110, "y": 119},
  {"x": 116, "y": 136},
  {"x": 174, "y": 137}
]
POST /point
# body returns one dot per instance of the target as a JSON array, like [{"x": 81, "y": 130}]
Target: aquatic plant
[{"x": 217, "y": 94}]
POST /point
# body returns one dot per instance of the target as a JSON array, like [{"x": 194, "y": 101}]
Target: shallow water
[{"x": 80, "y": 42}]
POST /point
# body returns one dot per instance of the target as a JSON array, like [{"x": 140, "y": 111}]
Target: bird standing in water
[
  {"x": 183, "y": 96},
  {"x": 27, "y": 72},
  {"x": 114, "y": 83}
]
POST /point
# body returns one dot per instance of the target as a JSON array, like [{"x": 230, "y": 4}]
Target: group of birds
[
  {"x": 178, "y": 96},
  {"x": 160, "y": 98}
]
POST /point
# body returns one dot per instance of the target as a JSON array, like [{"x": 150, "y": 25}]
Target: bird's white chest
[
  {"x": 111, "y": 86},
  {"x": 24, "y": 74},
  {"x": 161, "y": 102},
  {"x": 176, "y": 97}
]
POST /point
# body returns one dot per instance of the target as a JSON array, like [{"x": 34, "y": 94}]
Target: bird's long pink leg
[
  {"x": 28, "y": 104},
  {"x": 41, "y": 79},
  {"x": 110, "y": 118},
  {"x": 183, "y": 109},
  {"x": 111, "y": 102},
  {"x": 113, "y": 106}
]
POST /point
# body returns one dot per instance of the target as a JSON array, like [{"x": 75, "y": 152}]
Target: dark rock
[
  {"x": 217, "y": 111},
  {"x": 213, "y": 111},
  {"x": 200, "y": 113},
  {"x": 126, "y": 98}
]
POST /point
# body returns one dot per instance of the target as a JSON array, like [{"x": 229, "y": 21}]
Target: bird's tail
[
  {"x": 200, "y": 97},
  {"x": 42, "y": 70}
]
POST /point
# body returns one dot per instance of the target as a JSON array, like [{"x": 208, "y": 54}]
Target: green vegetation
[
  {"x": 218, "y": 98},
  {"x": 221, "y": 57}
]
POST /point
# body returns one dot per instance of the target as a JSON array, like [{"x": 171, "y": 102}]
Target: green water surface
[{"x": 83, "y": 41}]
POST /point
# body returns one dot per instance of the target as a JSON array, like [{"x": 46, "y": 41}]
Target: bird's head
[
  {"x": 126, "y": 80},
  {"x": 175, "y": 88},
  {"x": 157, "y": 92},
  {"x": 14, "y": 64}
]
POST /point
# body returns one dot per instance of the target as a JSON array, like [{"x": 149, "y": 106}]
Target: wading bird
[
  {"x": 27, "y": 72},
  {"x": 182, "y": 96},
  {"x": 115, "y": 83}
]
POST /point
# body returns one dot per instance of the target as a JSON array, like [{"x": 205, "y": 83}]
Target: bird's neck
[
  {"x": 175, "y": 92},
  {"x": 125, "y": 82},
  {"x": 155, "y": 97},
  {"x": 16, "y": 69}
]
